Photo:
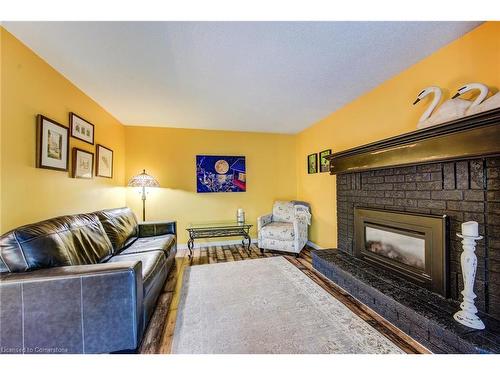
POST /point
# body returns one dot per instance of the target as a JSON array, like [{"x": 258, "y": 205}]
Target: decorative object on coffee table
[
  {"x": 82, "y": 163},
  {"x": 104, "y": 161},
  {"x": 312, "y": 163},
  {"x": 324, "y": 163},
  {"x": 240, "y": 216},
  {"x": 81, "y": 128},
  {"x": 467, "y": 315},
  {"x": 219, "y": 229},
  {"x": 52, "y": 145},
  {"x": 143, "y": 181}
]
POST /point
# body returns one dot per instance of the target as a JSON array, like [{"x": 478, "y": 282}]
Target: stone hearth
[{"x": 425, "y": 316}]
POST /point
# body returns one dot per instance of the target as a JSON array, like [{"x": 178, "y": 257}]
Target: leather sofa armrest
[
  {"x": 77, "y": 309},
  {"x": 157, "y": 228}
]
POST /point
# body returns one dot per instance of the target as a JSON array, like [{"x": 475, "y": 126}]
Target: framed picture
[
  {"x": 104, "y": 161},
  {"x": 52, "y": 144},
  {"x": 82, "y": 163},
  {"x": 312, "y": 163},
  {"x": 220, "y": 174},
  {"x": 324, "y": 163},
  {"x": 81, "y": 128}
]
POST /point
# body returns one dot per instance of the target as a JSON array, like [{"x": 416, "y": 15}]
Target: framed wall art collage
[{"x": 53, "y": 148}]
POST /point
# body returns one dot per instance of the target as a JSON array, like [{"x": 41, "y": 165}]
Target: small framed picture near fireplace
[
  {"x": 52, "y": 144},
  {"x": 410, "y": 245},
  {"x": 324, "y": 163},
  {"x": 312, "y": 163}
]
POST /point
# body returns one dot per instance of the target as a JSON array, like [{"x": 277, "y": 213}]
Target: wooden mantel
[{"x": 468, "y": 137}]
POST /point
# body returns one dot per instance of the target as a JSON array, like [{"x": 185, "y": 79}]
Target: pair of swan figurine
[{"x": 455, "y": 108}]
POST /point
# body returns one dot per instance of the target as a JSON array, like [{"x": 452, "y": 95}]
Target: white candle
[
  {"x": 470, "y": 229},
  {"x": 240, "y": 211}
]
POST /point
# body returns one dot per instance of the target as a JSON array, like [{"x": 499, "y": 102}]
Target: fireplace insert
[{"x": 411, "y": 245}]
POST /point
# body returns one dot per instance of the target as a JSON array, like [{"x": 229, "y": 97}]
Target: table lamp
[{"x": 143, "y": 180}]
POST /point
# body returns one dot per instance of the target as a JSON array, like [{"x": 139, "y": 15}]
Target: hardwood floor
[{"x": 159, "y": 334}]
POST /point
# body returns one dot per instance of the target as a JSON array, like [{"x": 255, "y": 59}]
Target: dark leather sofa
[{"x": 83, "y": 283}]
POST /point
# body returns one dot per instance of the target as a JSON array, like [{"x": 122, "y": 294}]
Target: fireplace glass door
[
  {"x": 405, "y": 248},
  {"x": 410, "y": 245}
]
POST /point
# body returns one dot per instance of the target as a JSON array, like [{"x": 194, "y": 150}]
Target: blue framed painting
[{"x": 220, "y": 174}]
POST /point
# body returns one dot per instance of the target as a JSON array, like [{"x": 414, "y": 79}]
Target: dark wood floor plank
[
  {"x": 254, "y": 252},
  {"x": 306, "y": 251},
  {"x": 306, "y": 257},
  {"x": 220, "y": 254},
  {"x": 235, "y": 253},
  {"x": 168, "y": 335},
  {"x": 195, "y": 260},
  {"x": 152, "y": 340},
  {"x": 228, "y": 254},
  {"x": 243, "y": 253},
  {"x": 204, "y": 256},
  {"x": 171, "y": 281},
  {"x": 212, "y": 256}
]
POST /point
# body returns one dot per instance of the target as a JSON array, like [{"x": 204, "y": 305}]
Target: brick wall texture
[{"x": 464, "y": 190}]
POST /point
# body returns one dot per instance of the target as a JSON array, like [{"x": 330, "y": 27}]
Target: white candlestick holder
[{"x": 467, "y": 315}]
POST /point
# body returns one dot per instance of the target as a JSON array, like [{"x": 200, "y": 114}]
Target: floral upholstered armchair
[{"x": 286, "y": 228}]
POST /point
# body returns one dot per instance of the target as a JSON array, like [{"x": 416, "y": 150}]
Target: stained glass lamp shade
[{"x": 143, "y": 180}]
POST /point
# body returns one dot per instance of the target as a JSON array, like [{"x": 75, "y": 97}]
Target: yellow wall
[
  {"x": 387, "y": 111},
  {"x": 169, "y": 155},
  {"x": 30, "y": 86}
]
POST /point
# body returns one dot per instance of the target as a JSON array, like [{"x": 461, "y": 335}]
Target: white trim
[
  {"x": 197, "y": 245},
  {"x": 313, "y": 245}
]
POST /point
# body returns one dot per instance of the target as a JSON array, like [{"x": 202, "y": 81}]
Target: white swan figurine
[
  {"x": 479, "y": 105},
  {"x": 451, "y": 109}
]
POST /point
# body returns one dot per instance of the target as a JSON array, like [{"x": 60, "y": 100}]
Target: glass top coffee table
[{"x": 219, "y": 229}]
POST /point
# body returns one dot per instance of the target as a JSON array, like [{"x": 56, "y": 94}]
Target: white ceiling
[{"x": 254, "y": 76}]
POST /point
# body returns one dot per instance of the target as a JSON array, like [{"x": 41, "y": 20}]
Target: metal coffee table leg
[{"x": 190, "y": 247}]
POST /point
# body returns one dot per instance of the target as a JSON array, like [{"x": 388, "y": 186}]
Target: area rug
[{"x": 266, "y": 306}]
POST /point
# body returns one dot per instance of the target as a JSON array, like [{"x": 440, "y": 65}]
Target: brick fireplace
[
  {"x": 450, "y": 171},
  {"x": 463, "y": 190}
]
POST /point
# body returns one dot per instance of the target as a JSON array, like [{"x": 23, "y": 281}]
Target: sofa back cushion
[
  {"x": 61, "y": 241},
  {"x": 284, "y": 211},
  {"x": 121, "y": 226}
]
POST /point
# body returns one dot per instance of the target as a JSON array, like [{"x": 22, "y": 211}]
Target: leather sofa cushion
[
  {"x": 278, "y": 231},
  {"x": 121, "y": 226},
  {"x": 164, "y": 243},
  {"x": 153, "y": 265},
  {"x": 61, "y": 241}
]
